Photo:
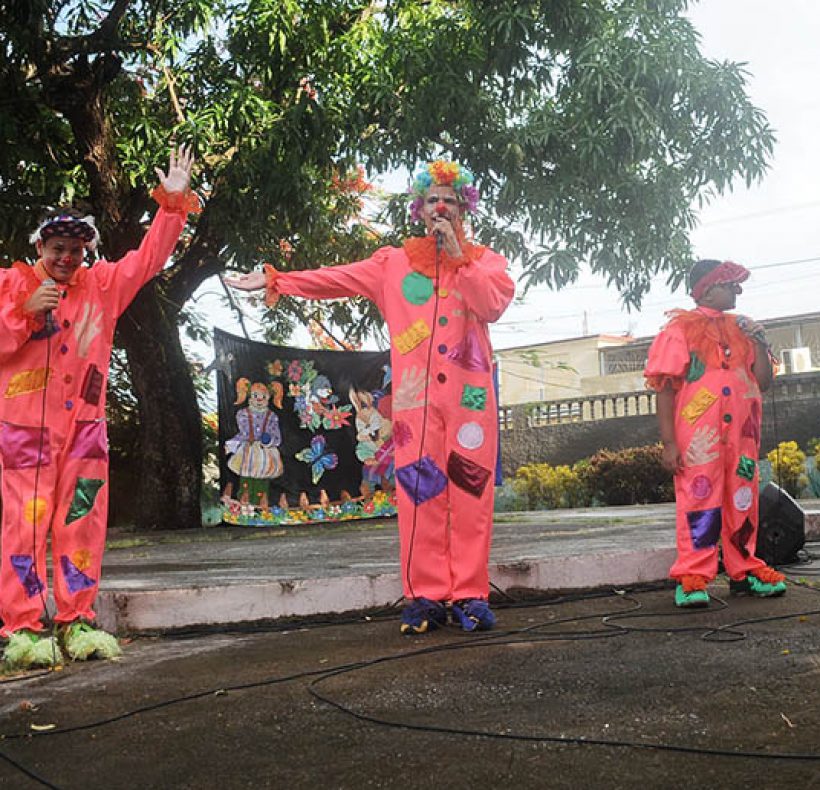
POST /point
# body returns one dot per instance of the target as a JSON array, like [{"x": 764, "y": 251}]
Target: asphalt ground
[{"x": 594, "y": 689}]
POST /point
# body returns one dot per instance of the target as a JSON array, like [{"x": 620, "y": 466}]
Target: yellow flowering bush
[
  {"x": 544, "y": 486},
  {"x": 788, "y": 467}
]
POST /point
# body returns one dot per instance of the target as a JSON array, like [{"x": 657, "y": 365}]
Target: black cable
[
  {"x": 29, "y": 773},
  {"x": 422, "y": 437}
]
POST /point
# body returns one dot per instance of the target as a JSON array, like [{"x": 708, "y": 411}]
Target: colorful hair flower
[{"x": 443, "y": 173}]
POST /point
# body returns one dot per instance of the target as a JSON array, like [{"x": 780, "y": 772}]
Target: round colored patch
[
  {"x": 471, "y": 436},
  {"x": 701, "y": 487},
  {"x": 35, "y": 509},
  {"x": 744, "y": 497},
  {"x": 417, "y": 288}
]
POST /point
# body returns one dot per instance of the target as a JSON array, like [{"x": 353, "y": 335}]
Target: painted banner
[{"x": 304, "y": 435}]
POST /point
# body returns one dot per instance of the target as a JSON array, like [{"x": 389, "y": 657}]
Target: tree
[{"x": 593, "y": 127}]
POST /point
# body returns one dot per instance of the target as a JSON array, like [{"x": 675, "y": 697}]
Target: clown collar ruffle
[{"x": 421, "y": 252}]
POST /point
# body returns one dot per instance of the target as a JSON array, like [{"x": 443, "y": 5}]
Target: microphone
[
  {"x": 441, "y": 211},
  {"x": 759, "y": 335},
  {"x": 49, "y": 318}
]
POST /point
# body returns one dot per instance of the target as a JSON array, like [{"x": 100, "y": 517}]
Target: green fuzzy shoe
[
  {"x": 26, "y": 650},
  {"x": 82, "y": 641},
  {"x": 751, "y": 585},
  {"x": 693, "y": 599}
]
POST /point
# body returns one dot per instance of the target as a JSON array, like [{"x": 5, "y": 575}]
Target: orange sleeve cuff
[
  {"x": 271, "y": 291},
  {"x": 659, "y": 383},
  {"x": 186, "y": 202}
]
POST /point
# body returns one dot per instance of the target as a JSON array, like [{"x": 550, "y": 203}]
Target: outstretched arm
[{"x": 123, "y": 279}]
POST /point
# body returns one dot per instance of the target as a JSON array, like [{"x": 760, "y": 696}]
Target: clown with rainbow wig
[
  {"x": 708, "y": 367},
  {"x": 437, "y": 294}
]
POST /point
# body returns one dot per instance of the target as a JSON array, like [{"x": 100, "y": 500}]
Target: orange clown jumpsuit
[
  {"x": 717, "y": 430},
  {"x": 445, "y": 418},
  {"x": 53, "y": 439}
]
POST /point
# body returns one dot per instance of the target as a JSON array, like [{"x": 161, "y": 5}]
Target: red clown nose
[{"x": 441, "y": 209}]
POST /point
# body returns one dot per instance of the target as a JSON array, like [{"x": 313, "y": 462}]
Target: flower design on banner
[{"x": 318, "y": 459}]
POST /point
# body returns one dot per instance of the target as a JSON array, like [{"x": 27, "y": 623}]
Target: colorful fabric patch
[
  {"x": 23, "y": 565},
  {"x": 421, "y": 480},
  {"x": 704, "y": 527},
  {"x": 75, "y": 579},
  {"x": 696, "y": 368},
  {"x": 746, "y": 467},
  {"x": 87, "y": 328},
  {"x": 468, "y": 354},
  {"x": 318, "y": 459},
  {"x": 701, "y": 448},
  {"x": 417, "y": 288},
  {"x": 81, "y": 559},
  {"x": 751, "y": 425},
  {"x": 91, "y": 390},
  {"x": 743, "y": 497},
  {"x": 741, "y": 538},
  {"x": 701, "y": 487},
  {"x": 413, "y": 336},
  {"x": 470, "y": 436},
  {"x": 27, "y": 381},
  {"x": 474, "y": 398},
  {"x": 85, "y": 493},
  {"x": 22, "y": 447},
  {"x": 35, "y": 510},
  {"x": 402, "y": 433},
  {"x": 90, "y": 440},
  {"x": 696, "y": 407},
  {"x": 467, "y": 474}
]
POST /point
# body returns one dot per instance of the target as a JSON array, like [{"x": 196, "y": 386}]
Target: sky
[
  {"x": 768, "y": 227},
  {"x": 774, "y": 222}
]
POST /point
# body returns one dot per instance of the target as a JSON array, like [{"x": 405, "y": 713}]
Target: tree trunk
[{"x": 170, "y": 432}]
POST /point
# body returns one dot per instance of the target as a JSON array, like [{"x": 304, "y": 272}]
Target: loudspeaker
[{"x": 782, "y": 530}]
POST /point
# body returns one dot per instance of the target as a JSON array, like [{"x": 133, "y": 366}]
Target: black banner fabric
[{"x": 304, "y": 435}]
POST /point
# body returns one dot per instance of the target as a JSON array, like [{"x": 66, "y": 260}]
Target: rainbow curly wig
[{"x": 442, "y": 173}]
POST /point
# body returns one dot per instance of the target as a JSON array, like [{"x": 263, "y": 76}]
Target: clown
[
  {"x": 57, "y": 322},
  {"x": 708, "y": 368},
  {"x": 437, "y": 294},
  {"x": 255, "y": 455}
]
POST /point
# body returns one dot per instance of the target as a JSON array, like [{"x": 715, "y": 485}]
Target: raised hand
[
  {"x": 700, "y": 449},
  {"x": 178, "y": 178}
]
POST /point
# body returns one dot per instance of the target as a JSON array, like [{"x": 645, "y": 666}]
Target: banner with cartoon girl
[{"x": 304, "y": 435}]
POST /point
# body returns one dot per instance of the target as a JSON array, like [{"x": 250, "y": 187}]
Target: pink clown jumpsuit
[
  {"x": 444, "y": 406},
  {"x": 717, "y": 430},
  {"x": 53, "y": 440}
]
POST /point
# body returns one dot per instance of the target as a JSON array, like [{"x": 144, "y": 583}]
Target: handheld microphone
[
  {"x": 49, "y": 318},
  {"x": 759, "y": 335},
  {"x": 441, "y": 211}
]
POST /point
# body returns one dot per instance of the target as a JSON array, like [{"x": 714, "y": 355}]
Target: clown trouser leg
[
  {"x": 79, "y": 486},
  {"x": 446, "y": 503},
  {"x": 717, "y": 500}
]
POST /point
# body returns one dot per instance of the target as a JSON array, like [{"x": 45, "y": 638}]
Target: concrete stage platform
[{"x": 160, "y": 581}]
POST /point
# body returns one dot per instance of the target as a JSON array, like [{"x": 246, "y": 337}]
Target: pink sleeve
[
  {"x": 16, "y": 325},
  {"x": 485, "y": 285},
  {"x": 362, "y": 278},
  {"x": 121, "y": 281},
  {"x": 668, "y": 359}
]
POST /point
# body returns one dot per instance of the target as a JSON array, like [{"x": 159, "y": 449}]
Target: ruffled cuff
[
  {"x": 271, "y": 291},
  {"x": 186, "y": 202},
  {"x": 33, "y": 321},
  {"x": 660, "y": 382}
]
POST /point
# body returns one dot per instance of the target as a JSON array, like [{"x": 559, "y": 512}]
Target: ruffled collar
[{"x": 421, "y": 252}]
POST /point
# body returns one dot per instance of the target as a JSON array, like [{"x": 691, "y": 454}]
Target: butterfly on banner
[{"x": 318, "y": 459}]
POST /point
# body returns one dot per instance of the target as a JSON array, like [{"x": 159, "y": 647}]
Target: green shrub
[
  {"x": 545, "y": 487},
  {"x": 628, "y": 477},
  {"x": 508, "y": 500}
]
